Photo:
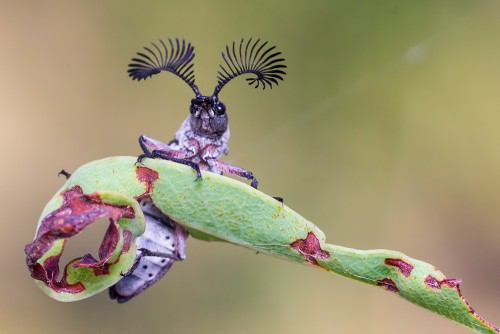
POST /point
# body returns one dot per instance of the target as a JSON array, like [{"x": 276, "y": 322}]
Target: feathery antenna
[
  {"x": 177, "y": 60},
  {"x": 251, "y": 59}
]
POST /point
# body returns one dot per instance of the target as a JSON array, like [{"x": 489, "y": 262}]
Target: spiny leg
[
  {"x": 146, "y": 252},
  {"x": 155, "y": 149},
  {"x": 149, "y": 144}
]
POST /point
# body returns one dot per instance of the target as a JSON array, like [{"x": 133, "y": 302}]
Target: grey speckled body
[
  {"x": 183, "y": 140},
  {"x": 162, "y": 237},
  {"x": 202, "y": 138}
]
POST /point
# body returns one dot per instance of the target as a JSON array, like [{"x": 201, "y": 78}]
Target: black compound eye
[
  {"x": 220, "y": 108},
  {"x": 195, "y": 106},
  {"x": 192, "y": 108}
]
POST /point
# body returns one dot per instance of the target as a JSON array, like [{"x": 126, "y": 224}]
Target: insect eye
[
  {"x": 192, "y": 108},
  {"x": 195, "y": 105},
  {"x": 220, "y": 108}
]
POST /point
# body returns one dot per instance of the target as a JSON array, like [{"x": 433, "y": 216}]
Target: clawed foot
[
  {"x": 142, "y": 157},
  {"x": 65, "y": 173},
  {"x": 254, "y": 183},
  {"x": 279, "y": 199}
]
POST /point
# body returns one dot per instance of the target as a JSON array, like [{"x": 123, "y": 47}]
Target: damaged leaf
[
  {"x": 219, "y": 208},
  {"x": 85, "y": 275}
]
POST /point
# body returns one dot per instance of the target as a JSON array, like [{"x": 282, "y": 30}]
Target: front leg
[
  {"x": 148, "y": 145},
  {"x": 153, "y": 148},
  {"x": 143, "y": 252},
  {"x": 146, "y": 153},
  {"x": 165, "y": 155}
]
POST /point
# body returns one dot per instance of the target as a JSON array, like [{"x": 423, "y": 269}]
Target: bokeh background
[{"x": 385, "y": 133}]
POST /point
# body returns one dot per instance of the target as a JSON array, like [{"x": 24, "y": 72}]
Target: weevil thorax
[{"x": 205, "y": 127}]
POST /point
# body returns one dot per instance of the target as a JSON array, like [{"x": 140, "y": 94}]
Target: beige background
[{"x": 385, "y": 133}]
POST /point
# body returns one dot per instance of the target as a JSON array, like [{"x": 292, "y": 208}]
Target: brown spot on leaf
[
  {"x": 388, "y": 284},
  {"x": 310, "y": 248},
  {"x": 432, "y": 282},
  {"x": 404, "y": 267},
  {"x": 452, "y": 283},
  {"x": 127, "y": 241},
  {"x": 77, "y": 211},
  {"x": 146, "y": 176}
]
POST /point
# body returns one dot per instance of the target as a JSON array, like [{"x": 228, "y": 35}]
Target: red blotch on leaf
[
  {"x": 310, "y": 248},
  {"x": 404, "y": 267},
  {"x": 432, "y": 282},
  {"x": 388, "y": 284},
  {"x": 77, "y": 211},
  {"x": 148, "y": 177}
]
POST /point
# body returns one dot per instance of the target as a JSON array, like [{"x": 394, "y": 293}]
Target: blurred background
[{"x": 385, "y": 133}]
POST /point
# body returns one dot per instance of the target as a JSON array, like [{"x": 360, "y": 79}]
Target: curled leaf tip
[{"x": 77, "y": 211}]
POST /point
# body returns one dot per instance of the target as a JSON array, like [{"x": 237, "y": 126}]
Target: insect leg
[
  {"x": 146, "y": 252},
  {"x": 173, "y": 142},
  {"x": 279, "y": 199},
  {"x": 147, "y": 153},
  {"x": 235, "y": 170},
  {"x": 166, "y": 156},
  {"x": 149, "y": 144},
  {"x": 65, "y": 173}
]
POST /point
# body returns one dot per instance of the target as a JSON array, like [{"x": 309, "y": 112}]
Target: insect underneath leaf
[{"x": 162, "y": 243}]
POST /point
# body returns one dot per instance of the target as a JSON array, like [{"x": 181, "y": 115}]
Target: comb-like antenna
[
  {"x": 252, "y": 59},
  {"x": 177, "y": 60}
]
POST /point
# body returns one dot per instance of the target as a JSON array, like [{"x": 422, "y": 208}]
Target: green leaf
[{"x": 220, "y": 208}]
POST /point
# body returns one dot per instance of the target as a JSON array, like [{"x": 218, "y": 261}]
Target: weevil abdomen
[{"x": 162, "y": 243}]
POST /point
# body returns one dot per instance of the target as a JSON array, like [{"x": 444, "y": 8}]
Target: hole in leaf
[{"x": 87, "y": 241}]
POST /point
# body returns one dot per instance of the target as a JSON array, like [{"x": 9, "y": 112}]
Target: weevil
[{"x": 200, "y": 141}]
